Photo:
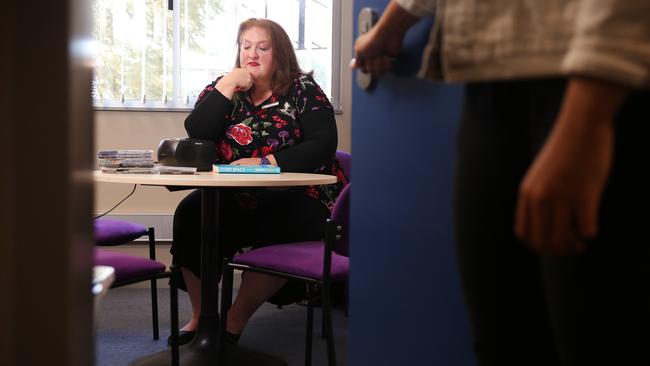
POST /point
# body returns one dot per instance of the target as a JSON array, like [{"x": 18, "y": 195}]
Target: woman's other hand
[
  {"x": 246, "y": 161},
  {"x": 254, "y": 161},
  {"x": 237, "y": 79},
  {"x": 559, "y": 197}
]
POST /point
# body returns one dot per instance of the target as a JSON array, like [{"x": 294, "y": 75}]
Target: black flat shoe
[
  {"x": 232, "y": 338},
  {"x": 184, "y": 337}
]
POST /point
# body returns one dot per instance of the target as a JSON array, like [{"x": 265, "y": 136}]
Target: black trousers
[
  {"x": 249, "y": 218},
  {"x": 588, "y": 309}
]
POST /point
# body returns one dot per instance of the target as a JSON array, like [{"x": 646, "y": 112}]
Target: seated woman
[{"x": 265, "y": 111}]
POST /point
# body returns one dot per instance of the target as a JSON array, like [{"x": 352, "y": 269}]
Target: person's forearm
[
  {"x": 395, "y": 19},
  {"x": 206, "y": 121},
  {"x": 588, "y": 101},
  {"x": 226, "y": 88},
  {"x": 559, "y": 197}
]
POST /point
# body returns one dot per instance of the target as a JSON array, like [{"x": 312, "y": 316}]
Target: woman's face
[{"x": 256, "y": 54}]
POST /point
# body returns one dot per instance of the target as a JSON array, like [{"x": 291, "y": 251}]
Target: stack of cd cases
[{"x": 126, "y": 161}]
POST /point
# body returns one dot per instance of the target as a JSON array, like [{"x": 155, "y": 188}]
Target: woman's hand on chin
[{"x": 237, "y": 79}]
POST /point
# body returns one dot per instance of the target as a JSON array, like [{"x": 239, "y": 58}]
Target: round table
[{"x": 207, "y": 348}]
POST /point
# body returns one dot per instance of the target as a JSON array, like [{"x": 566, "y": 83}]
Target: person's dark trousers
[
  {"x": 249, "y": 218},
  {"x": 588, "y": 309}
]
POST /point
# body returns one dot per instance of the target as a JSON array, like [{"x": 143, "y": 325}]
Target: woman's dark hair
[{"x": 284, "y": 57}]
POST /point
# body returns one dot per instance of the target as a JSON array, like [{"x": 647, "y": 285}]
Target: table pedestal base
[{"x": 195, "y": 355}]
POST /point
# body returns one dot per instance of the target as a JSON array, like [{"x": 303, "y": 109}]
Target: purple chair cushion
[
  {"x": 117, "y": 232},
  {"x": 127, "y": 266},
  {"x": 300, "y": 258}
]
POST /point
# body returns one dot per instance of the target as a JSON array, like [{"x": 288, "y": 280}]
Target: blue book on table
[{"x": 246, "y": 169}]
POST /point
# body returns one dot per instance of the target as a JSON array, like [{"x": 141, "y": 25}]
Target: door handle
[{"x": 366, "y": 20}]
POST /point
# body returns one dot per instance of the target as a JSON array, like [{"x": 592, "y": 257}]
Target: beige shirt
[{"x": 475, "y": 40}]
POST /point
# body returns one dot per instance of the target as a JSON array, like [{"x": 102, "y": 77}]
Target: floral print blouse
[{"x": 298, "y": 128}]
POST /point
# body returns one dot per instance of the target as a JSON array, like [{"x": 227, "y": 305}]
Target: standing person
[
  {"x": 551, "y": 152},
  {"x": 265, "y": 111}
]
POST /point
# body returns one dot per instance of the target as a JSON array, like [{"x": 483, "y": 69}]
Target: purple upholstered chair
[
  {"x": 318, "y": 263},
  {"x": 130, "y": 268},
  {"x": 346, "y": 163},
  {"x": 109, "y": 232}
]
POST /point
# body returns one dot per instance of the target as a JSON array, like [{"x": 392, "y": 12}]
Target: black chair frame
[
  {"x": 333, "y": 233},
  {"x": 153, "y": 284},
  {"x": 173, "y": 275}
]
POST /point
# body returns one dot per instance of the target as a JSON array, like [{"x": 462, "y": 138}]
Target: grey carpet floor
[{"x": 123, "y": 329}]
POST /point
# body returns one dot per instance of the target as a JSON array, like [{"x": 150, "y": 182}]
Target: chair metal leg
[
  {"x": 154, "y": 309},
  {"x": 226, "y": 294},
  {"x": 151, "y": 233},
  {"x": 154, "y": 286},
  {"x": 322, "y": 320},
  {"x": 310, "y": 324},
  {"x": 329, "y": 332},
  {"x": 347, "y": 297},
  {"x": 173, "y": 293}
]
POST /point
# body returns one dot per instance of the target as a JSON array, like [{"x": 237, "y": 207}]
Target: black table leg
[{"x": 206, "y": 349}]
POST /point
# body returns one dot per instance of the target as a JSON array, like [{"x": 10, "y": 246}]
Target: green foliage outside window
[{"x": 135, "y": 45}]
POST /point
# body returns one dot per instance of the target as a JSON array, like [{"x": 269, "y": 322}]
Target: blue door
[{"x": 406, "y": 306}]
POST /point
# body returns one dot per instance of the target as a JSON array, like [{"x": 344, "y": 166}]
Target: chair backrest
[
  {"x": 341, "y": 214},
  {"x": 346, "y": 162},
  {"x": 341, "y": 210}
]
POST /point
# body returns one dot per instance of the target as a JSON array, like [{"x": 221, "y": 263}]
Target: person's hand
[
  {"x": 255, "y": 161},
  {"x": 559, "y": 198},
  {"x": 237, "y": 79},
  {"x": 374, "y": 53},
  {"x": 376, "y": 49},
  {"x": 247, "y": 161}
]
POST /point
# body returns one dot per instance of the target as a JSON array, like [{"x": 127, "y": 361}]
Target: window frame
[{"x": 174, "y": 106}]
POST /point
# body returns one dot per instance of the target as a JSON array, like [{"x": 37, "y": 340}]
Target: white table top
[{"x": 210, "y": 179}]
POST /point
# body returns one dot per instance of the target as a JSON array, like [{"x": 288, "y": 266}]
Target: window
[{"x": 160, "y": 54}]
